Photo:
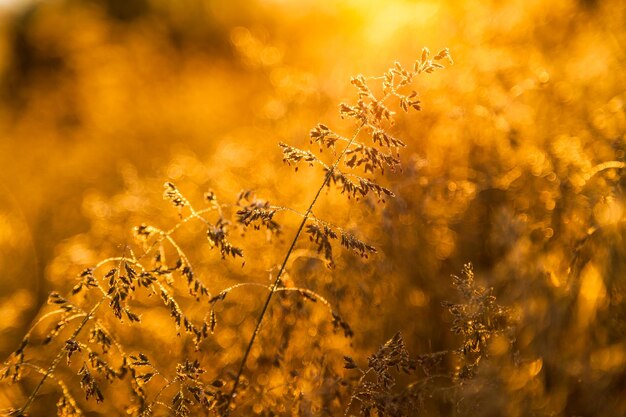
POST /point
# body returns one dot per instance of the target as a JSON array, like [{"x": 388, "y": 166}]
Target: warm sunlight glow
[{"x": 358, "y": 208}]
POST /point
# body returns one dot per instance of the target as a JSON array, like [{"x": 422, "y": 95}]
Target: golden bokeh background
[{"x": 515, "y": 164}]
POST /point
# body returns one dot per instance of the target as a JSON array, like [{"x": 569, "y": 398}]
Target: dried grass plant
[
  {"x": 516, "y": 165},
  {"x": 155, "y": 269}
]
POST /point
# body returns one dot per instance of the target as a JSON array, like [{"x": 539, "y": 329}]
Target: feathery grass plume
[
  {"x": 477, "y": 319},
  {"x": 487, "y": 176},
  {"x": 126, "y": 279},
  {"x": 121, "y": 291},
  {"x": 373, "y": 389},
  {"x": 372, "y": 117}
]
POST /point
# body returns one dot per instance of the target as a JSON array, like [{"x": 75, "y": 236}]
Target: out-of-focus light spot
[
  {"x": 599, "y": 119},
  {"x": 529, "y": 84},
  {"x": 505, "y": 181},
  {"x": 81, "y": 255},
  {"x": 585, "y": 66},
  {"x": 517, "y": 380},
  {"x": 612, "y": 357},
  {"x": 554, "y": 279},
  {"x": 5, "y": 4},
  {"x": 254, "y": 51},
  {"x": 536, "y": 159},
  {"x": 592, "y": 294},
  {"x": 608, "y": 211},
  {"x": 274, "y": 109},
  {"x": 545, "y": 196},
  {"x": 481, "y": 111},
  {"x": 517, "y": 91},
  {"x": 290, "y": 320},
  {"x": 271, "y": 55},
  {"x": 225, "y": 338},
  {"x": 499, "y": 345},
  {"x": 525, "y": 374},
  {"x": 262, "y": 379},
  {"x": 13, "y": 307},
  {"x": 7, "y": 231},
  {"x": 615, "y": 105},
  {"x": 502, "y": 124},
  {"x": 388, "y": 17},
  {"x": 444, "y": 239},
  {"x": 417, "y": 298},
  {"x": 174, "y": 171},
  {"x": 535, "y": 367},
  {"x": 543, "y": 77},
  {"x": 240, "y": 35}
]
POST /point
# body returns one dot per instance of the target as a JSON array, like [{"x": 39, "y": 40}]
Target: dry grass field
[{"x": 344, "y": 208}]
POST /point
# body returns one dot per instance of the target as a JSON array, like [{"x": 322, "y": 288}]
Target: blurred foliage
[{"x": 515, "y": 164}]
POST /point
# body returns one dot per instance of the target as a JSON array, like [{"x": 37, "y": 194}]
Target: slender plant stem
[
  {"x": 57, "y": 359},
  {"x": 276, "y": 282},
  {"x": 50, "y": 371}
]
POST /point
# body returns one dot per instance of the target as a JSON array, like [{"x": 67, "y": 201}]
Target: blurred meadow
[{"x": 515, "y": 165}]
